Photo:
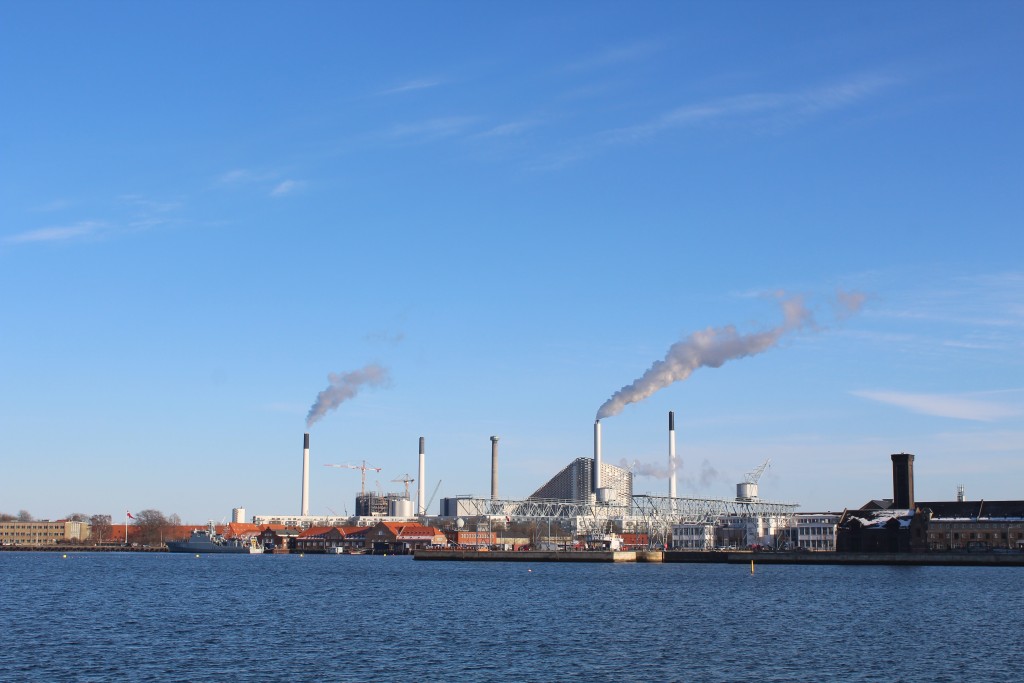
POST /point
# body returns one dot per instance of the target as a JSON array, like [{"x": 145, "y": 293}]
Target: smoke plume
[
  {"x": 644, "y": 469},
  {"x": 708, "y": 348},
  {"x": 342, "y": 387}
]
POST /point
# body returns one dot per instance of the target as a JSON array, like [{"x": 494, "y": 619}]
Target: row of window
[
  {"x": 977, "y": 535},
  {"x": 969, "y": 525}
]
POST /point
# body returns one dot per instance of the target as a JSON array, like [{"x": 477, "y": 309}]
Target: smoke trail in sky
[
  {"x": 344, "y": 386},
  {"x": 708, "y": 348}
]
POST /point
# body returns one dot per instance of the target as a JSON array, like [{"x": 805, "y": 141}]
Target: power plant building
[
  {"x": 575, "y": 483},
  {"x": 375, "y": 504}
]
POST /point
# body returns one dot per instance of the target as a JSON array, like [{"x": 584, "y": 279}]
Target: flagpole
[{"x": 126, "y": 527}]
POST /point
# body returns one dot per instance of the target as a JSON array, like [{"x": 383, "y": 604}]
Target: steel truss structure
[
  {"x": 655, "y": 515},
  {"x": 661, "y": 513}
]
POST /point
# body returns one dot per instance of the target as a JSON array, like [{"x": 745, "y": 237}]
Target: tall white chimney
[
  {"x": 421, "y": 499},
  {"x": 671, "y": 454},
  {"x": 597, "y": 456},
  {"x": 494, "y": 468},
  {"x": 305, "y": 474}
]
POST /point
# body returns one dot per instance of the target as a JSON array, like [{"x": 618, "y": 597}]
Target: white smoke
[
  {"x": 644, "y": 469},
  {"x": 708, "y": 348},
  {"x": 344, "y": 386}
]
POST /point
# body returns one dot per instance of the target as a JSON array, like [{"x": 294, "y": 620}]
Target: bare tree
[
  {"x": 151, "y": 524},
  {"x": 77, "y": 517},
  {"x": 7, "y": 517},
  {"x": 100, "y": 527},
  {"x": 25, "y": 516}
]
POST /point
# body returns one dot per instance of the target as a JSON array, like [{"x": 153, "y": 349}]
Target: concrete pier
[{"x": 528, "y": 555}]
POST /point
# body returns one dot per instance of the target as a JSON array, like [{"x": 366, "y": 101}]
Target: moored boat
[{"x": 209, "y": 541}]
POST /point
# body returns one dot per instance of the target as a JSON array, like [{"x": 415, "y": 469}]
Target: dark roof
[
  {"x": 877, "y": 504},
  {"x": 971, "y": 509}
]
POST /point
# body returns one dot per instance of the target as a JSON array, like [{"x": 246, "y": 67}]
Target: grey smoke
[
  {"x": 707, "y": 475},
  {"x": 343, "y": 386},
  {"x": 708, "y": 348},
  {"x": 644, "y": 469}
]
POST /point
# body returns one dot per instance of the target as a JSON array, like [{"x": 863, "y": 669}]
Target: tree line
[{"x": 152, "y": 526}]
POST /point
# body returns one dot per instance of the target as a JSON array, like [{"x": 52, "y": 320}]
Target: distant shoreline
[
  {"x": 80, "y": 549},
  {"x": 931, "y": 559}
]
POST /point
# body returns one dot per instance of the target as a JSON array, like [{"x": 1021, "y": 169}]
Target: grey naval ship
[{"x": 209, "y": 541}]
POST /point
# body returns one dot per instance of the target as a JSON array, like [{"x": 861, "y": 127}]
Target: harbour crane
[
  {"x": 362, "y": 468},
  {"x": 406, "y": 480},
  {"x": 746, "y": 490},
  {"x": 752, "y": 477}
]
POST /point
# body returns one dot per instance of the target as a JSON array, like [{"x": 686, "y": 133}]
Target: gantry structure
[{"x": 654, "y": 515}]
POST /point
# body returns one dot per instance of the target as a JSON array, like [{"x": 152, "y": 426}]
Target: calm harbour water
[{"x": 160, "y": 617}]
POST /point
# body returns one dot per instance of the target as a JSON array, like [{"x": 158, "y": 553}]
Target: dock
[
  {"x": 539, "y": 555},
  {"x": 933, "y": 559}
]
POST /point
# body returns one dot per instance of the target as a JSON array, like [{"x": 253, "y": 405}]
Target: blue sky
[{"x": 515, "y": 210}]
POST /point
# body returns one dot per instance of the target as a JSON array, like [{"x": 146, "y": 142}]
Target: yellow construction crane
[{"x": 362, "y": 468}]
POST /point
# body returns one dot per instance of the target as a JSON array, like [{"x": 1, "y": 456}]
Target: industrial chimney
[
  {"x": 902, "y": 481},
  {"x": 305, "y": 475},
  {"x": 671, "y": 454},
  {"x": 597, "y": 457},
  {"x": 420, "y": 490},
  {"x": 494, "y": 468}
]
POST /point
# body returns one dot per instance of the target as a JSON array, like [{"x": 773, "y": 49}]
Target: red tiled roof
[{"x": 315, "y": 531}]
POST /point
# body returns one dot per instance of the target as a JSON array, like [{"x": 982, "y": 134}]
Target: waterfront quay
[
  {"x": 84, "y": 548},
  {"x": 538, "y": 555},
  {"x": 739, "y": 557}
]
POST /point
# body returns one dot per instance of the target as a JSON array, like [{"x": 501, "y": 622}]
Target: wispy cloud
[
  {"x": 61, "y": 233},
  {"x": 760, "y": 108},
  {"x": 433, "y": 129},
  {"x": 963, "y": 317},
  {"x": 285, "y": 187},
  {"x": 957, "y": 406},
  {"x": 508, "y": 129},
  {"x": 615, "y": 55},
  {"x": 758, "y": 111},
  {"x": 244, "y": 176},
  {"x": 410, "y": 86},
  {"x": 55, "y": 205}
]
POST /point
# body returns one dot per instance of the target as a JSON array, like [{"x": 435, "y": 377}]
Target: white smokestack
[
  {"x": 494, "y": 468},
  {"x": 597, "y": 456},
  {"x": 672, "y": 464},
  {"x": 420, "y": 497},
  {"x": 305, "y": 474}
]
